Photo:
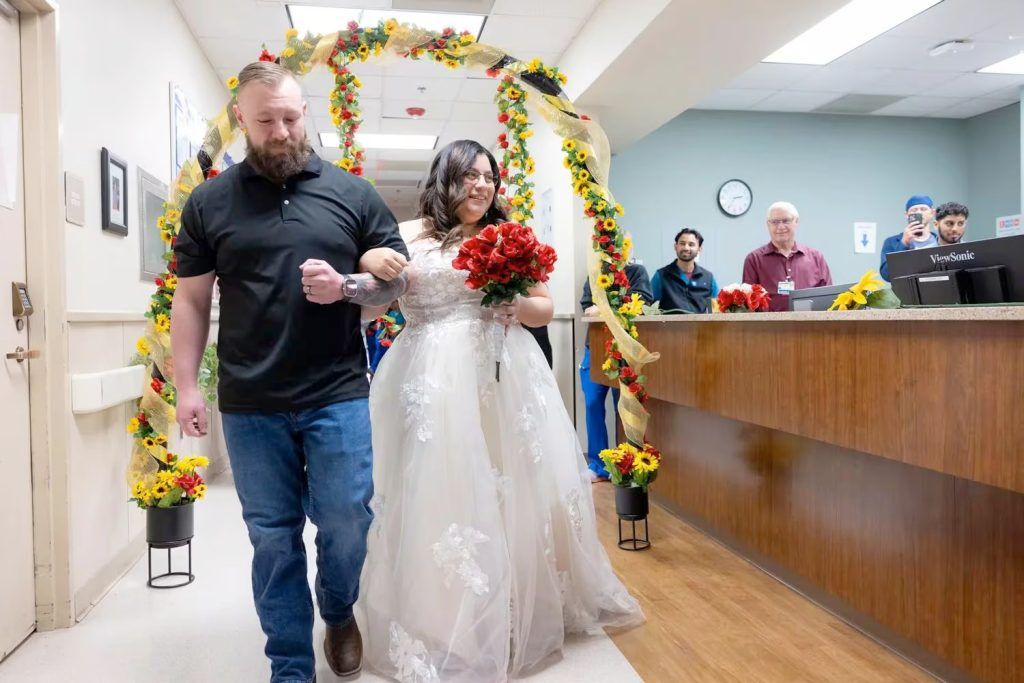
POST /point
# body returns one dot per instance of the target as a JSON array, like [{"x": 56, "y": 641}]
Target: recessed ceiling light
[
  {"x": 322, "y": 20},
  {"x": 846, "y": 29},
  {"x": 383, "y": 141},
  {"x": 1013, "y": 65}
]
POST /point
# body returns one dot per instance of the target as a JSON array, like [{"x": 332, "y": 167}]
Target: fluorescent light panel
[
  {"x": 847, "y": 29},
  {"x": 321, "y": 20},
  {"x": 383, "y": 141},
  {"x": 1013, "y": 65}
]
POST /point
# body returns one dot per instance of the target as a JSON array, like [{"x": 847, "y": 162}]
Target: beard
[
  {"x": 949, "y": 238},
  {"x": 686, "y": 257},
  {"x": 278, "y": 161}
]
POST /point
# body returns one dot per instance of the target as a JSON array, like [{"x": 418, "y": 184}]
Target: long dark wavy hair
[{"x": 445, "y": 192}]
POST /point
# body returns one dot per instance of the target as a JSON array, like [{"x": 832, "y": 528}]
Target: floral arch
[{"x": 587, "y": 157}]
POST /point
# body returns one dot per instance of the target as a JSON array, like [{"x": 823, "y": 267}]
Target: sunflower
[
  {"x": 232, "y": 82},
  {"x": 604, "y": 281},
  {"x": 645, "y": 461}
]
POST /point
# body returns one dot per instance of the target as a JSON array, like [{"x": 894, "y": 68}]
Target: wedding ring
[{"x": 307, "y": 289}]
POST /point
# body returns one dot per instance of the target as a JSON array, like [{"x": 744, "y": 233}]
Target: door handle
[{"x": 21, "y": 355}]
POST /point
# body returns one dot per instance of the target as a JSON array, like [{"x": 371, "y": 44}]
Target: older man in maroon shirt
[{"x": 782, "y": 265}]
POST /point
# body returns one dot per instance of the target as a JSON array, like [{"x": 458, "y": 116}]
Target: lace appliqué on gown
[
  {"x": 455, "y": 553},
  {"x": 572, "y": 507},
  {"x": 416, "y": 396},
  {"x": 410, "y": 658}
]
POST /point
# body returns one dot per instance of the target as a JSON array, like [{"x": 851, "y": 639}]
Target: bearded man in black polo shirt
[{"x": 277, "y": 231}]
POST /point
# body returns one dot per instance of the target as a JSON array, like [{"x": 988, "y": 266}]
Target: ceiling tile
[
  {"x": 484, "y": 133},
  {"x": 417, "y": 68},
  {"x": 546, "y": 8},
  {"x": 793, "y": 100},
  {"x": 854, "y": 103},
  {"x": 1011, "y": 94},
  {"x": 525, "y": 37},
  {"x": 841, "y": 79},
  {"x": 918, "y": 106},
  {"x": 235, "y": 19},
  {"x": 906, "y": 82},
  {"x": 978, "y": 85},
  {"x": 233, "y": 54},
  {"x": 773, "y": 76},
  {"x": 968, "y": 108},
  {"x": 955, "y": 19},
  {"x": 407, "y": 126},
  {"x": 433, "y": 89},
  {"x": 474, "y": 111},
  {"x": 395, "y": 108},
  {"x": 478, "y": 90},
  {"x": 734, "y": 98},
  {"x": 1009, "y": 28}
]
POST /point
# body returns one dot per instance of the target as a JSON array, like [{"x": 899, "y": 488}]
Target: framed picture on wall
[
  {"x": 152, "y": 193},
  {"x": 187, "y": 129},
  {"x": 114, "y": 196}
]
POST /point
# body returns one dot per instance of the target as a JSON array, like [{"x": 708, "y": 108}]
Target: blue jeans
[
  {"x": 287, "y": 466},
  {"x": 595, "y": 396}
]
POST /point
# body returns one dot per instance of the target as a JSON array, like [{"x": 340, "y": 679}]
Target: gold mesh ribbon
[
  {"x": 634, "y": 415},
  {"x": 564, "y": 120}
]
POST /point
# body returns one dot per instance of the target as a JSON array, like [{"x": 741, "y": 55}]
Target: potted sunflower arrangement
[
  {"x": 632, "y": 470},
  {"x": 168, "y": 493}
]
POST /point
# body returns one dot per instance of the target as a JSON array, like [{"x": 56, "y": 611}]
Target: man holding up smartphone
[{"x": 916, "y": 235}]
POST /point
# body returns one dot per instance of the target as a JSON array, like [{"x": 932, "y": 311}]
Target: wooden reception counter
[{"x": 871, "y": 459}]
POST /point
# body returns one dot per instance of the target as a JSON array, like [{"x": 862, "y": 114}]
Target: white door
[{"x": 17, "y": 585}]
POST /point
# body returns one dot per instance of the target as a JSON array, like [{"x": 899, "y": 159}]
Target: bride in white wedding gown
[{"x": 483, "y": 552}]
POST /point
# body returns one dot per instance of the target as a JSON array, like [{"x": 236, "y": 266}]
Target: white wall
[{"x": 117, "y": 59}]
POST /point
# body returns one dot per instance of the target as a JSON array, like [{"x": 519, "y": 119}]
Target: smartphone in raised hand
[{"x": 916, "y": 218}]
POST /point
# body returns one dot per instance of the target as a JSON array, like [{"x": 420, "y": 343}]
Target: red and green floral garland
[{"x": 451, "y": 49}]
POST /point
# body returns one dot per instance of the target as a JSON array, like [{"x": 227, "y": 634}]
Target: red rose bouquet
[
  {"x": 743, "y": 298},
  {"x": 504, "y": 261}
]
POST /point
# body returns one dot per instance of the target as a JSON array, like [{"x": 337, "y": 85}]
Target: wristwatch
[{"x": 349, "y": 287}]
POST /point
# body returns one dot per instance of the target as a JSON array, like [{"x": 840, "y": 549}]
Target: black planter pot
[
  {"x": 631, "y": 503},
  {"x": 170, "y": 527}
]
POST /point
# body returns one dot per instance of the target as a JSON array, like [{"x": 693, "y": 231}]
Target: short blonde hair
[
  {"x": 267, "y": 73},
  {"x": 785, "y": 206}
]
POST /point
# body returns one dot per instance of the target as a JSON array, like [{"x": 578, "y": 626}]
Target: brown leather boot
[{"x": 343, "y": 646}]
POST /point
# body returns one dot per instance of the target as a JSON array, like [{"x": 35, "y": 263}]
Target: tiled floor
[{"x": 208, "y": 631}]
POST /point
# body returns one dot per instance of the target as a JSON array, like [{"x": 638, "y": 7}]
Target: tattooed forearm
[{"x": 367, "y": 290}]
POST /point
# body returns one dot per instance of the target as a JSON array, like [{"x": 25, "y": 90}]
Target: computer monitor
[
  {"x": 815, "y": 298},
  {"x": 986, "y": 271}
]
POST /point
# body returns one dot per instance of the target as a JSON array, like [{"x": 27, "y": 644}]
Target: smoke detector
[
  {"x": 415, "y": 112},
  {"x": 952, "y": 46}
]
